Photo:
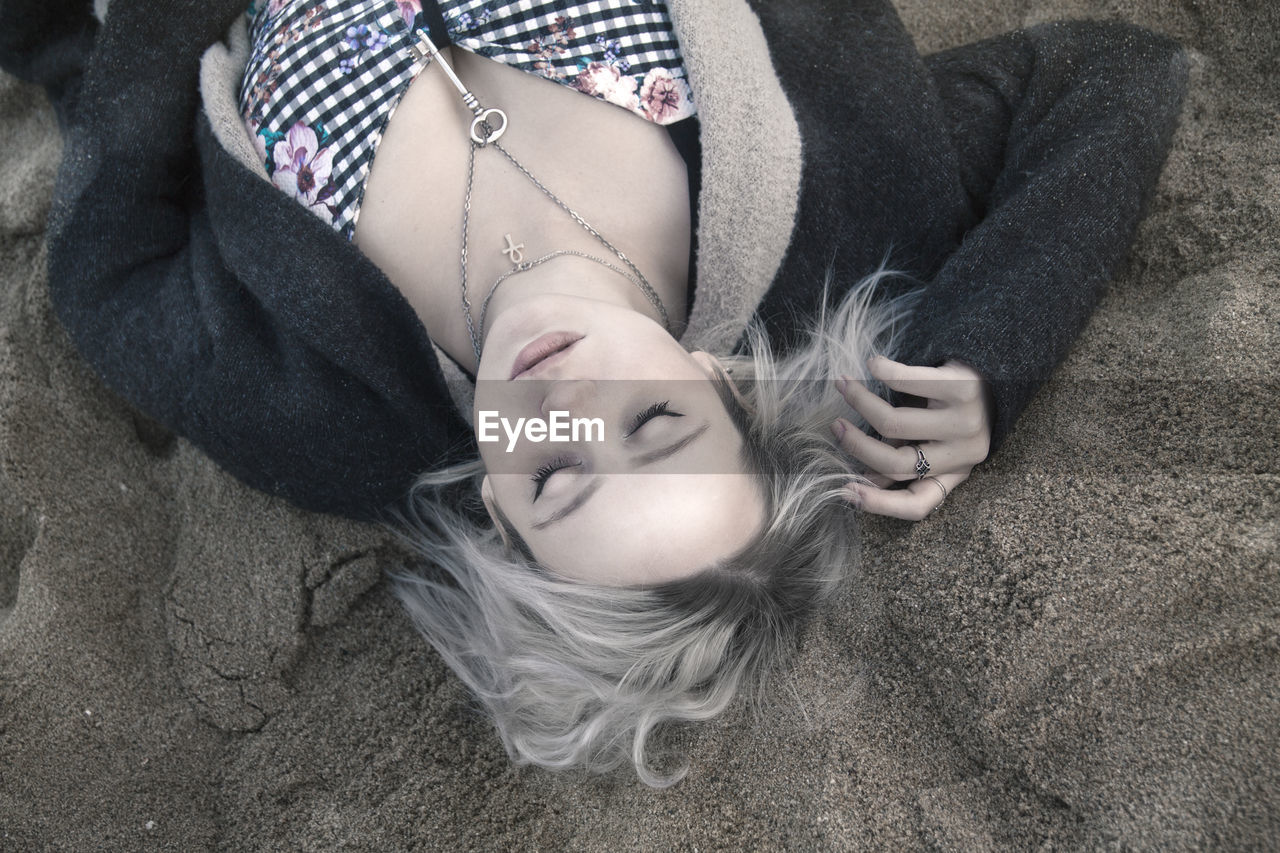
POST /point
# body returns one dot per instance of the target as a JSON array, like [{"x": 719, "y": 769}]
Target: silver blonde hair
[{"x": 579, "y": 675}]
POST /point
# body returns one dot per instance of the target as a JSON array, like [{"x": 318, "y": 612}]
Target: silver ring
[
  {"x": 491, "y": 134},
  {"x": 922, "y": 464},
  {"x": 940, "y": 486}
]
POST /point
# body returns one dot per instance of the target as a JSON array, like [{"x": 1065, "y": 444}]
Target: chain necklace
[{"x": 485, "y": 135}]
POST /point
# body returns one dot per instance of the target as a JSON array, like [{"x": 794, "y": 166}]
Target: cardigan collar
[{"x": 750, "y": 191}]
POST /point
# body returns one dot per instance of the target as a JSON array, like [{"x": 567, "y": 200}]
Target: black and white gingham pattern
[
  {"x": 641, "y": 30},
  {"x": 312, "y": 64},
  {"x": 313, "y": 87}
]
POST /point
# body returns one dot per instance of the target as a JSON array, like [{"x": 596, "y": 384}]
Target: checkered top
[{"x": 325, "y": 77}]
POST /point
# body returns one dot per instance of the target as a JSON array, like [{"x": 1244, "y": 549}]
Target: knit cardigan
[{"x": 1007, "y": 177}]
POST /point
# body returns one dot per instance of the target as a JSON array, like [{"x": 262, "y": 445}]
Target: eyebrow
[
  {"x": 671, "y": 449},
  {"x": 571, "y": 507},
  {"x": 641, "y": 461}
]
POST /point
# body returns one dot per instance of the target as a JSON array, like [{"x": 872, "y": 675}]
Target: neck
[{"x": 569, "y": 275}]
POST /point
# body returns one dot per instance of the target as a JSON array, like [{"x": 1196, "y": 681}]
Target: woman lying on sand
[{"x": 658, "y": 216}]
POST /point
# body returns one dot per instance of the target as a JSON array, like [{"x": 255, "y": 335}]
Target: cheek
[
  {"x": 660, "y": 358},
  {"x": 510, "y": 471},
  {"x": 512, "y": 493},
  {"x": 491, "y": 395},
  {"x": 496, "y": 399}
]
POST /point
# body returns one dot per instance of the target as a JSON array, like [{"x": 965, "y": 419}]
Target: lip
[{"x": 543, "y": 350}]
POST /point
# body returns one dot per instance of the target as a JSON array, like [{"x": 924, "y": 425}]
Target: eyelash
[
  {"x": 657, "y": 410},
  {"x": 543, "y": 474}
]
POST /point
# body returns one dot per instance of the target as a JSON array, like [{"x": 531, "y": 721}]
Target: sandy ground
[{"x": 1080, "y": 650}]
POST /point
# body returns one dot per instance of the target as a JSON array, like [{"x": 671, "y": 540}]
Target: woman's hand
[{"x": 953, "y": 432}]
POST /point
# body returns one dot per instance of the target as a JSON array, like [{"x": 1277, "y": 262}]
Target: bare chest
[{"x": 620, "y": 173}]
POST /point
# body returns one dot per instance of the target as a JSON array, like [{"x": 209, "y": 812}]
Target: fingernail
[
  {"x": 841, "y": 384},
  {"x": 855, "y": 495},
  {"x": 838, "y": 428}
]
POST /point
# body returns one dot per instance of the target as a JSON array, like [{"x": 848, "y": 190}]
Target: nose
[{"x": 568, "y": 395}]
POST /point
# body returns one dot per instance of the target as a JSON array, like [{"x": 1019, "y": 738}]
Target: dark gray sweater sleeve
[
  {"x": 206, "y": 298},
  {"x": 1006, "y": 177},
  {"x": 1060, "y": 131}
]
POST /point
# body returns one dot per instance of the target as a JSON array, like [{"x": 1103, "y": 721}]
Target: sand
[{"x": 1080, "y": 650}]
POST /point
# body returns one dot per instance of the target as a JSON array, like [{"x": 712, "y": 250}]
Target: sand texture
[{"x": 1080, "y": 650}]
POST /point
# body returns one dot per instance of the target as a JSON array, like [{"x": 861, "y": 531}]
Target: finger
[
  {"x": 900, "y": 461},
  {"x": 897, "y": 462},
  {"x": 908, "y": 422},
  {"x": 935, "y": 458},
  {"x": 876, "y": 479},
  {"x": 933, "y": 383},
  {"x": 912, "y": 503},
  {"x": 879, "y": 456}
]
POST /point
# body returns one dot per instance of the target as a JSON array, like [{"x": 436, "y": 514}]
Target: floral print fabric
[
  {"x": 325, "y": 77},
  {"x": 620, "y": 51}
]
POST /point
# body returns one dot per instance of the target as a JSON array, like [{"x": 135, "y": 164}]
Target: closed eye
[
  {"x": 657, "y": 410},
  {"x": 544, "y": 472}
]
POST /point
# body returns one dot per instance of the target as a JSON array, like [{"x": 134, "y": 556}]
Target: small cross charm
[{"x": 513, "y": 251}]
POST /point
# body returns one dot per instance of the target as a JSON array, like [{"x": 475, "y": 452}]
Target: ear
[
  {"x": 709, "y": 363},
  {"x": 491, "y": 507},
  {"x": 715, "y": 369}
]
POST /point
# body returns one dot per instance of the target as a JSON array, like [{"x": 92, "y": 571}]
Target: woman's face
[{"x": 653, "y": 489}]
